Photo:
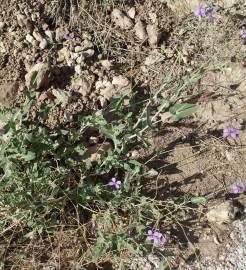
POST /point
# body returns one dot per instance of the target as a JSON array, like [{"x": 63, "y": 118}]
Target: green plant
[{"x": 45, "y": 174}]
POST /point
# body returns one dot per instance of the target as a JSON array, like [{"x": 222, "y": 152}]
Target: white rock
[
  {"x": 78, "y": 49},
  {"x": 21, "y": 19},
  {"x": 2, "y": 47},
  {"x": 106, "y": 64},
  {"x": 121, "y": 20},
  {"x": 87, "y": 44},
  {"x": 140, "y": 30},
  {"x": 222, "y": 213},
  {"x": 153, "y": 58},
  {"x": 131, "y": 12},
  {"x": 37, "y": 36},
  {"x": 43, "y": 44},
  {"x": 120, "y": 81},
  {"x": 49, "y": 34},
  {"x": 43, "y": 76},
  {"x": 2, "y": 24},
  {"x": 78, "y": 69},
  {"x": 154, "y": 35},
  {"x": 63, "y": 54},
  {"x": 80, "y": 59},
  {"x": 29, "y": 38},
  {"x": 88, "y": 53}
]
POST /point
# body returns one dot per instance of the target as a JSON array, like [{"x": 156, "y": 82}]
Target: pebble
[
  {"x": 2, "y": 24},
  {"x": 78, "y": 49},
  {"x": 132, "y": 12},
  {"x": 88, "y": 53},
  {"x": 37, "y": 36},
  {"x": 140, "y": 30},
  {"x": 49, "y": 34},
  {"x": 121, "y": 20},
  {"x": 29, "y": 38},
  {"x": 77, "y": 69},
  {"x": 43, "y": 44}
]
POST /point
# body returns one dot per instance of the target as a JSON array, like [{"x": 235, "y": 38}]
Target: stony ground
[{"x": 86, "y": 53}]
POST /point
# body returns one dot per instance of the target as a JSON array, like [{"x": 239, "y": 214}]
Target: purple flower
[
  {"x": 2, "y": 130},
  {"x": 238, "y": 187},
  {"x": 158, "y": 238},
  {"x": 67, "y": 37},
  {"x": 244, "y": 37},
  {"x": 114, "y": 183},
  {"x": 205, "y": 11},
  {"x": 231, "y": 133}
]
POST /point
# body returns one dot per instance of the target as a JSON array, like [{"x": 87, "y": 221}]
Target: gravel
[{"x": 234, "y": 255}]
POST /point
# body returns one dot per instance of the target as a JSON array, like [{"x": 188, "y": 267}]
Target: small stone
[
  {"x": 78, "y": 49},
  {"x": 120, "y": 81},
  {"x": 121, "y": 20},
  {"x": 78, "y": 69},
  {"x": 106, "y": 64},
  {"x": 80, "y": 59},
  {"x": 87, "y": 44},
  {"x": 49, "y": 34},
  {"x": 37, "y": 36},
  {"x": 2, "y": 47},
  {"x": 2, "y": 24},
  {"x": 8, "y": 93},
  {"x": 43, "y": 76},
  {"x": 140, "y": 30},
  {"x": 131, "y": 12},
  {"x": 154, "y": 35},
  {"x": 222, "y": 213},
  {"x": 88, "y": 53},
  {"x": 43, "y": 44},
  {"x": 29, "y": 38}
]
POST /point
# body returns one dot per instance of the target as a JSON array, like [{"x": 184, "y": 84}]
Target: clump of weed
[{"x": 49, "y": 181}]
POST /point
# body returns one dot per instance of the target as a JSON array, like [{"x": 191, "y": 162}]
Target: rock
[
  {"x": 43, "y": 77},
  {"x": 49, "y": 34},
  {"x": 78, "y": 49},
  {"x": 80, "y": 59},
  {"x": 62, "y": 97},
  {"x": 2, "y": 47},
  {"x": 63, "y": 54},
  {"x": 153, "y": 34},
  {"x": 131, "y": 12},
  {"x": 43, "y": 44},
  {"x": 87, "y": 44},
  {"x": 29, "y": 38},
  {"x": 120, "y": 81},
  {"x": 183, "y": 7},
  {"x": 82, "y": 86},
  {"x": 95, "y": 152},
  {"x": 78, "y": 69},
  {"x": 59, "y": 34},
  {"x": 106, "y": 64},
  {"x": 37, "y": 36},
  {"x": 227, "y": 3},
  {"x": 153, "y": 58},
  {"x": 21, "y": 20},
  {"x": 140, "y": 30},
  {"x": 8, "y": 93},
  {"x": 2, "y": 24},
  {"x": 121, "y": 20},
  {"x": 88, "y": 53},
  {"x": 222, "y": 213}
]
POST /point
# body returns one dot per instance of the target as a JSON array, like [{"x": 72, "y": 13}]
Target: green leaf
[
  {"x": 152, "y": 173},
  {"x": 164, "y": 105},
  {"x": 33, "y": 82},
  {"x": 180, "y": 111},
  {"x": 148, "y": 112},
  {"x": 198, "y": 200}
]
